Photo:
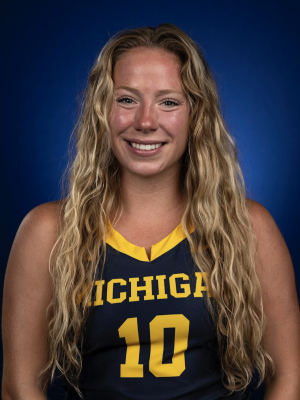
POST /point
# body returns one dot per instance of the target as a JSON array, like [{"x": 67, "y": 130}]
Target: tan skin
[{"x": 151, "y": 194}]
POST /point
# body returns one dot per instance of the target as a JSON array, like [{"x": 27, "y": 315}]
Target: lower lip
[{"x": 145, "y": 153}]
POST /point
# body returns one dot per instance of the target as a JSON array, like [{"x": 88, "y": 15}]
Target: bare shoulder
[
  {"x": 28, "y": 290},
  {"x": 44, "y": 218},
  {"x": 35, "y": 238},
  {"x": 270, "y": 243},
  {"x": 27, "y": 271},
  {"x": 262, "y": 221},
  {"x": 273, "y": 261},
  {"x": 276, "y": 275}
]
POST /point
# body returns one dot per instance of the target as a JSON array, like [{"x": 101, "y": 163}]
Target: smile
[{"x": 145, "y": 146}]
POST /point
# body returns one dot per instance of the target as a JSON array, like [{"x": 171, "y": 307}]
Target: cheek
[
  {"x": 179, "y": 126},
  {"x": 119, "y": 121}
]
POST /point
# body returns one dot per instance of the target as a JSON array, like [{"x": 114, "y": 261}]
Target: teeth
[{"x": 145, "y": 146}]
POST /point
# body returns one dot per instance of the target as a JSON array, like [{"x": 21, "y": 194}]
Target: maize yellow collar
[{"x": 119, "y": 243}]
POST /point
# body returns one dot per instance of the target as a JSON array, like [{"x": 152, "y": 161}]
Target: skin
[
  {"x": 150, "y": 107},
  {"x": 27, "y": 293},
  {"x": 282, "y": 337},
  {"x": 151, "y": 194}
]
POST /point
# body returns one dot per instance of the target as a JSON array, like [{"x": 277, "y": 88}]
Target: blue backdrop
[{"x": 48, "y": 48}]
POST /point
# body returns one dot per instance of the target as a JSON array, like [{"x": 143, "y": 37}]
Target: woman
[{"x": 165, "y": 281}]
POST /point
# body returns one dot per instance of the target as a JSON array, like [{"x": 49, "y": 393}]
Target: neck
[{"x": 152, "y": 197}]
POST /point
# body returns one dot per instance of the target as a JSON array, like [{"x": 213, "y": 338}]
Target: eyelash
[
  {"x": 173, "y": 102},
  {"x": 120, "y": 100}
]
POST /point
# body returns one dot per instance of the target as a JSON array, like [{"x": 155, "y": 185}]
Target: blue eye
[
  {"x": 170, "y": 103},
  {"x": 125, "y": 100}
]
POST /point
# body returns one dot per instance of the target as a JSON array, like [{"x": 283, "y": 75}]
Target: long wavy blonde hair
[{"x": 223, "y": 244}]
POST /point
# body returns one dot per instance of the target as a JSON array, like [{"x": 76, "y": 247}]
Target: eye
[
  {"x": 125, "y": 100},
  {"x": 170, "y": 103}
]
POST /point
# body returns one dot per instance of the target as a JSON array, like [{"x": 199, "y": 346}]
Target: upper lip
[{"x": 139, "y": 141}]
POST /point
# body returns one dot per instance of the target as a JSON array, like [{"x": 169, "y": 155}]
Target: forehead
[{"x": 143, "y": 65}]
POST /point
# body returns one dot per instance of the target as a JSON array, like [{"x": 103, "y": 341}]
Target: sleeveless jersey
[{"x": 149, "y": 334}]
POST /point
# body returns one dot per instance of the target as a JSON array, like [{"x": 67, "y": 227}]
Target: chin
[{"x": 145, "y": 172}]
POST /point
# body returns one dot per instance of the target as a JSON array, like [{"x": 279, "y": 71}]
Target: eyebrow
[{"x": 159, "y": 92}]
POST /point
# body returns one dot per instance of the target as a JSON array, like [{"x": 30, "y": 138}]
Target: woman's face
[{"x": 150, "y": 116}]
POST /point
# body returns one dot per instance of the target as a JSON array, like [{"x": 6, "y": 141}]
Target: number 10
[{"x": 129, "y": 331}]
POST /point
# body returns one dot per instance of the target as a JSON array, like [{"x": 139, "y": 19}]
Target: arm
[
  {"x": 27, "y": 293},
  {"x": 282, "y": 336}
]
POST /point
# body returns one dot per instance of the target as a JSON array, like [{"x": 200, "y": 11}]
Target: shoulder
[
  {"x": 36, "y": 238},
  {"x": 266, "y": 231},
  {"x": 260, "y": 218},
  {"x": 264, "y": 227},
  {"x": 273, "y": 260},
  {"x": 280, "y": 303},
  {"x": 42, "y": 222},
  {"x": 272, "y": 255},
  {"x": 28, "y": 290},
  {"x": 44, "y": 216}
]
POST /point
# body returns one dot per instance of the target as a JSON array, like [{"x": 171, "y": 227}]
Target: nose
[{"x": 146, "y": 119}]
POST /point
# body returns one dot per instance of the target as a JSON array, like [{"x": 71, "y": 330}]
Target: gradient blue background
[{"x": 48, "y": 48}]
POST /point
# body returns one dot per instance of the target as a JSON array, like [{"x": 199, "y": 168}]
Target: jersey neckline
[{"x": 119, "y": 243}]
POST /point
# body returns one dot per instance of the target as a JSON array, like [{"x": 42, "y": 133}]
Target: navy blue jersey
[{"x": 149, "y": 334}]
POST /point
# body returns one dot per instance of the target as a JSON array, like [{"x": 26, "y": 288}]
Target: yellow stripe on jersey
[
  {"x": 119, "y": 243},
  {"x": 168, "y": 243}
]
